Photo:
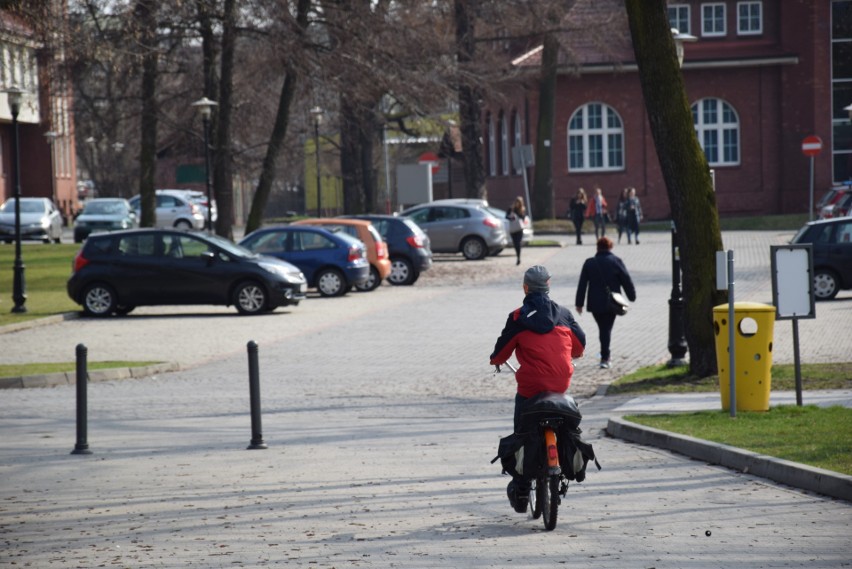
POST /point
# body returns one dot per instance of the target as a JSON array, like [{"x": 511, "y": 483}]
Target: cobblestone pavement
[{"x": 381, "y": 415}]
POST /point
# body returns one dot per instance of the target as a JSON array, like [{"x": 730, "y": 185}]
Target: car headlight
[{"x": 283, "y": 272}]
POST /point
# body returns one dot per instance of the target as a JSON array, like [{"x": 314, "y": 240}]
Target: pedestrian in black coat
[{"x": 599, "y": 272}]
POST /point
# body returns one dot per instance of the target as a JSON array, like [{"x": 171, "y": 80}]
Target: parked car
[
  {"x": 39, "y": 220},
  {"x": 459, "y": 227},
  {"x": 496, "y": 212},
  {"x": 408, "y": 246},
  {"x": 104, "y": 214},
  {"x": 832, "y": 254},
  {"x": 199, "y": 199},
  {"x": 116, "y": 272},
  {"x": 363, "y": 230},
  {"x": 332, "y": 262},
  {"x": 838, "y": 203},
  {"x": 173, "y": 211}
]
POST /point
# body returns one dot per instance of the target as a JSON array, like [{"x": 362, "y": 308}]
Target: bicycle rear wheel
[{"x": 549, "y": 498}]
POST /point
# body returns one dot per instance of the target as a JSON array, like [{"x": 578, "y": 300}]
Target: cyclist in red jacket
[{"x": 545, "y": 338}]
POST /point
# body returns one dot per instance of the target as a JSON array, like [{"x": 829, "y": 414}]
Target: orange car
[{"x": 377, "y": 250}]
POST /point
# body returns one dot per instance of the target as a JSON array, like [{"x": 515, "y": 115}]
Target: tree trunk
[
  {"x": 145, "y": 13},
  {"x": 223, "y": 182},
  {"x": 469, "y": 105},
  {"x": 350, "y": 156},
  {"x": 686, "y": 174},
  {"x": 276, "y": 139},
  {"x": 542, "y": 206}
]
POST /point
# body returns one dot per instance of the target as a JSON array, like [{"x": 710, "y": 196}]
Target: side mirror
[{"x": 208, "y": 256}]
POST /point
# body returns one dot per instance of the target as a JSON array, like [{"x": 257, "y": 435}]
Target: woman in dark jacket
[{"x": 599, "y": 272}]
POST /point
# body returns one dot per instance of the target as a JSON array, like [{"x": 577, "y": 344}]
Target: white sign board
[
  {"x": 413, "y": 184},
  {"x": 792, "y": 281},
  {"x": 721, "y": 270}
]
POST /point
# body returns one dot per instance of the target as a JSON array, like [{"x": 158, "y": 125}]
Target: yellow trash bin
[{"x": 753, "y": 333}]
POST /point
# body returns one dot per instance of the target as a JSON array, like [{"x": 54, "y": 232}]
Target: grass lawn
[
  {"x": 46, "y": 270},
  {"x": 809, "y": 435},
  {"x": 18, "y": 370}
]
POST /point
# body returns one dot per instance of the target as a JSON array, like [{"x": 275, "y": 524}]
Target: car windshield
[
  {"x": 105, "y": 208},
  {"x": 27, "y": 206},
  {"x": 230, "y": 246}
]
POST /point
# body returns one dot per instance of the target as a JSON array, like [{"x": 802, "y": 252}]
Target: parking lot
[{"x": 381, "y": 414}]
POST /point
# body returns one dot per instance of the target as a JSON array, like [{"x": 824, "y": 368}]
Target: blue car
[{"x": 332, "y": 262}]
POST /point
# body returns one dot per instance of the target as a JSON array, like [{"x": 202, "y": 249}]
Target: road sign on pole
[{"x": 811, "y": 146}]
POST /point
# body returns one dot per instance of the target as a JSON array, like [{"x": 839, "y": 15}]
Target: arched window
[
  {"x": 504, "y": 144},
  {"x": 718, "y": 129},
  {"x": 595, "y": 139}
]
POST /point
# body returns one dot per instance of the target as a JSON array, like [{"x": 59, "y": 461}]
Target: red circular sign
[
  {"x": 811, "y": 145},
  {"x": 430, "y": 158}
]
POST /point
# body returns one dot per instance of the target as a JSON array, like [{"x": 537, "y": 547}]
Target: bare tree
[{"x": 685, "y": 172}]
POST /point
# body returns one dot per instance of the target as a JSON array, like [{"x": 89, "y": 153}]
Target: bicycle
[{"x": 550, "y": 436}]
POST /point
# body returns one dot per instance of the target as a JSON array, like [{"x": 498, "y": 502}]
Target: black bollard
[
  {"x": 82, "y": 446},
  {"x": 254, "y": 396}
]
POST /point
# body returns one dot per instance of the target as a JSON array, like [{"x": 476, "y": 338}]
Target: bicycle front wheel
[
  {"x": 536, "y": 499},
  {"x": 549, "y": 498}
]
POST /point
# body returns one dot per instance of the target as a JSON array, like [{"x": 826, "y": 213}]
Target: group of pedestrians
[{"x": 627, "y": 218}]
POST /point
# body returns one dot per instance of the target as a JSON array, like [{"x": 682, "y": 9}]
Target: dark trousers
[
  {"x": 605, "y": 321},
  {"x": 578, "y": 229},
  {"x": 519, "y": 403},
  {"x": 516, "y": 241},
  {"x": 600, "y": 225}
]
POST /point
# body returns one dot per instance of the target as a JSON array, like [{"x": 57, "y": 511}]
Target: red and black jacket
[{"x": 545, "y": 337}]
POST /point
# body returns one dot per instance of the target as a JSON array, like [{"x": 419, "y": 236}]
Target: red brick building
[
  {"x": 761, "y": 76},
  {"x": 45, "y": 124}
]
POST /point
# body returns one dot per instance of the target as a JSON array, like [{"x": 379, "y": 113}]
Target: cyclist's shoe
[{"x": 518, "y": 497}]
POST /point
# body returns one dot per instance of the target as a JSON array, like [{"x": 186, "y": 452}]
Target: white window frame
[
  {"x": 719, "y": 129},
  {"x": 741, "y": 30},
  {"x": 680, "y": 18},
  {"x": 601, "y": 135},
  {"x": 704, "y": 20},
  {"x": 504, "y": 143},
  {"x": 492, "y": 148}
]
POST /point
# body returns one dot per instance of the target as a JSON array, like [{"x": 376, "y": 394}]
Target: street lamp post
[
  {"x": 677, "y": 341},
  {"x": 205, "y": 108},
  {"x": 316, "y": 113},
  {"x": 15, "y": 96}
]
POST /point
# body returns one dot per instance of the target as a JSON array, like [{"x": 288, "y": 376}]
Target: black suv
[
  {"x": 408, "y": 246},
  {"x": 116, "y": 272}
]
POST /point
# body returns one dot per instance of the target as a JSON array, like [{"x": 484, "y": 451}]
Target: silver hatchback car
[
  {"x": 464, "y": 228},
  {"x": 173, "y": 211}
]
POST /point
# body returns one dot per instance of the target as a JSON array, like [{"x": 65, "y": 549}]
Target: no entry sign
[
  {"x": 811, "y": 145},
  {"x": 432, "y": 159}
]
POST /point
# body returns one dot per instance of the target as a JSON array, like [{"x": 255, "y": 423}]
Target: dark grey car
[{"x": 832, "y": 248}]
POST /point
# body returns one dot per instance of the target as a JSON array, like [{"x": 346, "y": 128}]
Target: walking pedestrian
[
  {"x": 633, "y": 212},
  {"x": 621, "y": 213},
  {"x": 517, "y": 216},
  {"x": 577, "y": 213},
  {"x": 597, "y": 212},
  {"x": 600, "y": 275}
]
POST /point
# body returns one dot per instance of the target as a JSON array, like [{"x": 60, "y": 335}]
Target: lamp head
[
  {"x": 205, "y": 107},
  {"x": 316, "y": 113},
  {"x": 15, "y": 96},
  {"x": 679, "y": 39},
  {"x": 848, "y": 109}
]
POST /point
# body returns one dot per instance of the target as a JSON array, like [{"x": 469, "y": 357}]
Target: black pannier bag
[{"x": 574, "y": 454}]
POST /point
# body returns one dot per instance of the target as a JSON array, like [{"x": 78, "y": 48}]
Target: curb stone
[
  {"x": 70, "y": 377},
  {"x": 793, "y": 474}
]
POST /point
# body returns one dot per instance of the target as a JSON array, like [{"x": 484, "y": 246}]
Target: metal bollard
[
  {"x": 82, "y": 446},
  {"x": 254, "y": 396}
]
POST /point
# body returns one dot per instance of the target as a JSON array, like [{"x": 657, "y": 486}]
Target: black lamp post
[
  {"x": 316, "y": 112},
  {"x": 205, "y": 108},
  {"x": 19, "y": 285},
  {"x": 677, "y": 340}
]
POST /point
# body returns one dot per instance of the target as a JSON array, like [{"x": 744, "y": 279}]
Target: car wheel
[
  {"x": 124, "y": 310},
  {"x": 330, "y": 282},
  {"x": 372, "y": 282},
  {"x": 250, "y": 298},
  {"x": 98, "y": 300},
  {"x": 826, "y": 284},
  {"x": 402, "y": 271},
  {"x": 183, "y": 225},
  {"x": 473, "y": 248}
]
